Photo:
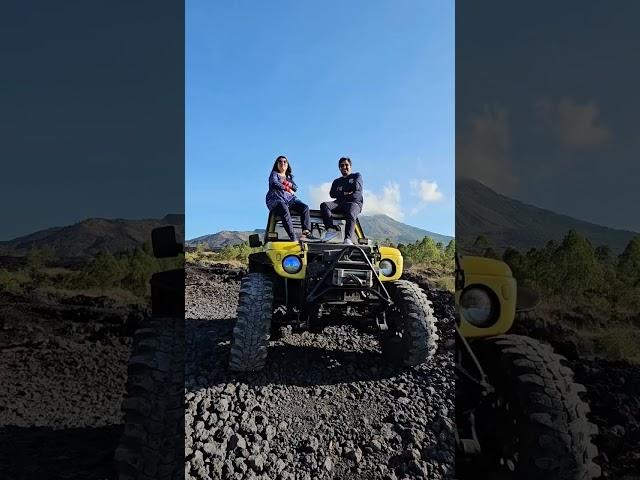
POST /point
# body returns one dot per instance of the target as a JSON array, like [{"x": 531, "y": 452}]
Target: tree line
[
  {"x": 574, "y": 267},
  {"x": 129, "y": 270},
  {"x": 427, "y": 252},
  {"x": 422, "y": 252}
]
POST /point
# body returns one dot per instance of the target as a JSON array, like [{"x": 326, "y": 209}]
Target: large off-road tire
[
  {"x": 253, "y": 324},
  {"x": 152, "y": 445},
  {"x": 536, "y": 426},
  {"x": 412, "y": 336}
]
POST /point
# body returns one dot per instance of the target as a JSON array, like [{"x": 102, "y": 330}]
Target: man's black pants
[{"x": 349, "y": 209}]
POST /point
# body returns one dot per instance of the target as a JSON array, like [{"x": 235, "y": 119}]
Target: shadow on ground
[
  {"x": 39, "y": 453},
  {"x": 287, "y": 364}
]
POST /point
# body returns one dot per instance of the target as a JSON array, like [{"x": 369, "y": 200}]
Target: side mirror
[
  {"x": 254, "y": 240},
  {"x": 163, "y": 242}
]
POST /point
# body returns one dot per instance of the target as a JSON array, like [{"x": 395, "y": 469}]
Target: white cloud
[
  {"x": 319, "y": 194},
  {"x": 576, "y": 126},
  {"x": 427, "y": 191},
  {"x": 386, "y": 203},
  {"x": 483, "y": 153}
]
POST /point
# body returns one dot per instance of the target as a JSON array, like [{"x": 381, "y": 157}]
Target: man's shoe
[{"x": 347, "y": 241}]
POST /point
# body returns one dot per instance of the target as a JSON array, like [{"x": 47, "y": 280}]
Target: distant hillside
[
  {"x": 90, "y": 236},
  {"x": 377, "y": 227},
  {"x": 380, "y": 227},
  {"x": 225, "y": 238},
  {"x": 507, "y": 222}
]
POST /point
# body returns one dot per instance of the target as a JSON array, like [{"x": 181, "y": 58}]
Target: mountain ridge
[
  {"x": 507, "y": 222},
  {"x": 91, "y": 235},
  {"x": 377, "y": 227},
  {"x": 504, "y": 221}
]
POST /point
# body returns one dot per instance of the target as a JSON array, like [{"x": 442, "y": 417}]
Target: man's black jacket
[{"x": 343, "y": 185}]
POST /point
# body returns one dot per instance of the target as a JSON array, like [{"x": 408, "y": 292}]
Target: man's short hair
[{"x": 346, "y": 159}]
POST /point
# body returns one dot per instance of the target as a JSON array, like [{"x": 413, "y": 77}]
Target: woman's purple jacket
[{"x": 277, "y": 193}]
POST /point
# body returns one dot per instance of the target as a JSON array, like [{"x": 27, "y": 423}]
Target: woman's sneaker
[{"x": 307, "y": 236}]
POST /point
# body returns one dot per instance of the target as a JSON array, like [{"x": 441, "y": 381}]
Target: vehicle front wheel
[
  {"x": 253, "y": 324},
  {"x": 412, "y": 336},
  {"x": 152, "y": 444},
  {"x": 535, "y": 425}
]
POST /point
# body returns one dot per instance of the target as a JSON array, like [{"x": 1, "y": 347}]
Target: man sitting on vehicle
[{"x": 347, "y": 190}]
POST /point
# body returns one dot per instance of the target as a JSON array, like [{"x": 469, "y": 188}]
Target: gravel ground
[
  {"x": 325, "y": 406},
  {"x": 62, "y": 377}
]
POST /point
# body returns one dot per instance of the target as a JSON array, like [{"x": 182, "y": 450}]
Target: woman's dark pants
[{"x": 284, "y": 212}]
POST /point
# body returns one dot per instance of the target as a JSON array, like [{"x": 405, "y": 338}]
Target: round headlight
[
  {"x": 387, "y": 268},
  {"x": 291, "y": 264},
  {"x": 478, "y": 308}
]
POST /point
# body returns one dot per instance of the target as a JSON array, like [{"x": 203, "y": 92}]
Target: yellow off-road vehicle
[
  {"x": 305, "y": 283},
  {"x": 519, "y": 414}
]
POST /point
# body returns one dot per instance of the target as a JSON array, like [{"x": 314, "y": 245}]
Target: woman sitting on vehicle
[{"x": 281, "y": 198}]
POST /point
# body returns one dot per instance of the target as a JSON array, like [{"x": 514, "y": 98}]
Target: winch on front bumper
[
  {"x": 349, "y": 277},
  {"x": 344, "y": 274}
]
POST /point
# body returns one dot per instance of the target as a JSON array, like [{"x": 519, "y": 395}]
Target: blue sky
[{"x": 315, "y": 81}]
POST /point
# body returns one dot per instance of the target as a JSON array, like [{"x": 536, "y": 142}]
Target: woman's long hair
[{"x": 275, "y": 166}]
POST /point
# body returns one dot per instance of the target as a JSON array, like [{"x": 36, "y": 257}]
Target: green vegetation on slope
[{"x": 125, "y": 274}]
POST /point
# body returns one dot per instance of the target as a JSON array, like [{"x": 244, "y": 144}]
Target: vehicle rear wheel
[
  {"x": 152, "y": 445},
  {"x": 535, "y": 425},
  {"x": 253, "y": 324},
  {"x": 412, "y": 336}
]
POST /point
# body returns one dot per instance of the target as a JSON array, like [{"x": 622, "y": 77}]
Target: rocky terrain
[
  {"x": 612, "y": 393},
  {"x": 62, "y": 377},
  {"x": 325, "y": 406}
]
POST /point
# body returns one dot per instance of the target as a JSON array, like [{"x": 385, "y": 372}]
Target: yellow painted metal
[
  {"x": 395, "y": 256},
  {"x": 276, "y": 251},
  {"x": 495, "y": 276}
]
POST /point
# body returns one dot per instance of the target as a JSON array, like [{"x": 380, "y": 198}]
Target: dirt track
[{"x": 326, "y": 406}]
